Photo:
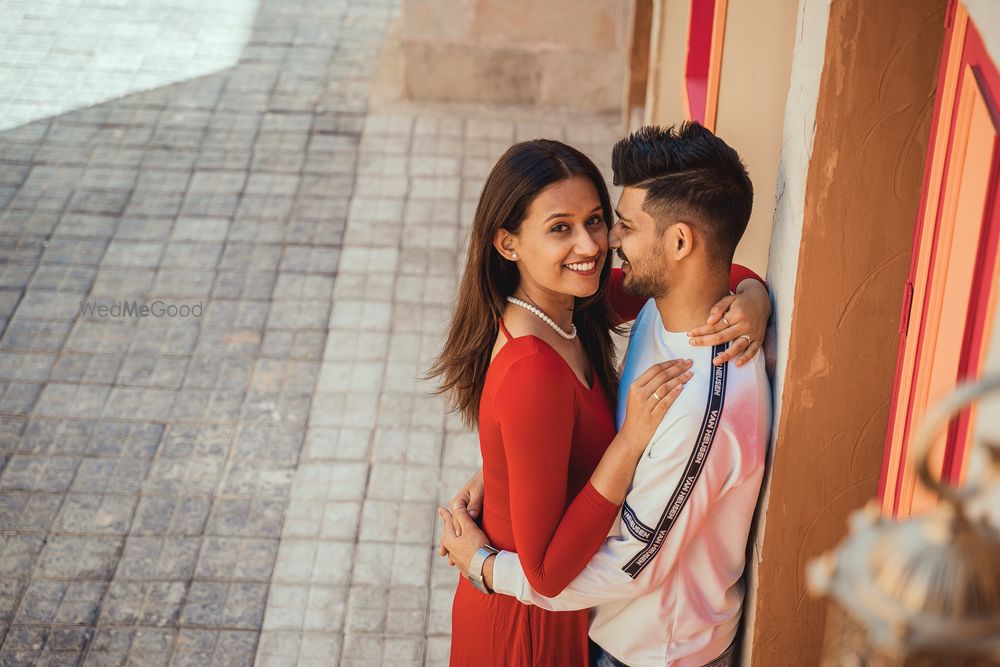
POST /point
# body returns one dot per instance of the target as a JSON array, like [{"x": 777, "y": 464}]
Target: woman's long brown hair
[{"x": 517, "y": 178}]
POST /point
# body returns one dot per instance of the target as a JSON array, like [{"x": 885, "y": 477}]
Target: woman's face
[{"x": 563, "y": 241}]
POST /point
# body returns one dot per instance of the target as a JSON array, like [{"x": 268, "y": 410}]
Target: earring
[{"x": 514, "y": 255}]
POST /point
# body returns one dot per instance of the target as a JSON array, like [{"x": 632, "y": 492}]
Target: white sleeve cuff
[{"x": 507, "y": 574}]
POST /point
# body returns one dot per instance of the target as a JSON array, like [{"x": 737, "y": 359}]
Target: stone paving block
[
  {"x": 317, "y": 209},
  {"x": 63, "y": 278},
  {"x": 171, "y": 515},
  {"x": 363, "y": 315},
  {"x": 75, "y": 250},
  {"x": 249, "y": 256},
  {"x": 408, "y": 565},
  {"x": 200, "y": 229},
  {"x": 15, "y": 249},
  {"x": 126, "y": 439},
  {"x": 139, "y": 403},
  {"x": 86, "y": 368},
  {"x": 336, "y": 444},
  {"x": 264, "y": 207},
  {"x": 116, "y": 645},
  {"x": 16, "y": 276},
  {"x": 49, "y": 305},
  {"x": 70, "y": 602},
  {"x": 11, "y": 590},
  {"x": 18, "y": 554},
  {"x": 72, "y": 556},
  {"x": 143, "y": 228},
  {"x": 184, "y": 476},
  {"x": 236, "y": 559},
  {"x": 293, "y": 344},
  {"x": 121, "y": 283},
  {"x": 182, "y": 283},
  {"x": 235, "y": 314},
  {"x": 18, "y": 398},
  {"x": 101, "y": 201},
  {"x": 277, "y": 442},
  {"x": 344, "y": 410},
  {"x": 208, "y": 405},
  {"x": 259, "y": 478},
  {"x": 117, "y": 475},
  {"x": 144, "y": 371},
  {"x": 157, "y": 558},
  {"x": 33, "y": 473},
  {"x": 234, "y": 604},
  {"x": 247, "y": 517},
  {"x": 41, "y": 646},
  {"x": 153, "y": 204},
  {"x": 310, "y": 259},
  {"x": 299, "y": 314},
  {"x": 72, "y": 226},
  {"x": 11, "y": 430},
  {"x": 313, "y": 562},
  {"x": 133, "y": 253},
  {"x": 197, "y": 441},
  {"x": 167, "y": 336},
  {"x": 100, "y": 336},
  {"x": 326, "y": 480},
  {"x": 253, "y": 229},
  {"x": 28, "y": 512},
  {"x": 329, "y": 520},
  {"x": 213, "y": 342},
  {"x": 192, "y": 255},
  {"x": 96, "y": 513},
  {"x": 214, "y": 648},
  {"x": 400, "y": 523},
  {"x": 155, "y": 603}
]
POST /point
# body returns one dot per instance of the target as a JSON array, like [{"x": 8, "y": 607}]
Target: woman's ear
[{"x": 504, "y": 242}]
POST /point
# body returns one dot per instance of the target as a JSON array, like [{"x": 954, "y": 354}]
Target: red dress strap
[{"x": 503, "y": 328}]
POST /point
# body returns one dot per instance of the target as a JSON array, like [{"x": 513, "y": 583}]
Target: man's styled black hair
[{"x": 691, "y": 174}]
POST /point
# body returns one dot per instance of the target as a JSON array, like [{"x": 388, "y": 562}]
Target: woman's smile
[{"x": 587, "y": 268}]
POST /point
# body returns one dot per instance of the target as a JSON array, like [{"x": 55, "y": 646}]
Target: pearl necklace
[{"x": 545, "y": 318}]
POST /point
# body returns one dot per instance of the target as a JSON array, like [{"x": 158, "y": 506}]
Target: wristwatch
[{"x": 475, "y": 573}]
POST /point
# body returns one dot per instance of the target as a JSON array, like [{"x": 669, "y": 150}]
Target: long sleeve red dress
[{"x": 542, "y": 433}]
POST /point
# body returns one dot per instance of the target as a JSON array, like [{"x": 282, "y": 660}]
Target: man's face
[{"x": 640, "y": 248}]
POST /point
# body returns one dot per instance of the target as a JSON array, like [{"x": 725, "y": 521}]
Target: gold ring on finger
[
  {"x": 728, "y": 323},
  {"x": 747, "y": 337},
  {"x": 657, "y": 396}
]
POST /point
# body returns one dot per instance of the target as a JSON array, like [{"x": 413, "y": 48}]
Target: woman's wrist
[{"x": 629, "y": 441}]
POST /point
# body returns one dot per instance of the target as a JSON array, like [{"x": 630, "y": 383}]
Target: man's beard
[{"x": 649, "y": 284}]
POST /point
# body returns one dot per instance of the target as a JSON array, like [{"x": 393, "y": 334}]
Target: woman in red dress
[{"x": 529, "y": 360}]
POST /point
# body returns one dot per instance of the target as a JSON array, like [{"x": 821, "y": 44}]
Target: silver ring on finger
[
  {"x": 749, "y": 342},
  {"x": 657, "y": 396},
  {"x": 728, "y": 323}
]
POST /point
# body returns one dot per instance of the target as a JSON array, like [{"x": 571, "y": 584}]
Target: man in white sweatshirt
[{"x": 666, "y": 586}]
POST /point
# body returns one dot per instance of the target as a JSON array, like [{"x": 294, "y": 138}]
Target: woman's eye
[
  {"x": 558, "y": 228},
  {"x": 596, "y": 220}
]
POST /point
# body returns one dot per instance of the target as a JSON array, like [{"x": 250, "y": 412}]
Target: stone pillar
[{"x": 558, "y": 53}]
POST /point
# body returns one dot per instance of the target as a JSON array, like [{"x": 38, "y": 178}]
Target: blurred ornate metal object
[{"x": 922, "y": 591}]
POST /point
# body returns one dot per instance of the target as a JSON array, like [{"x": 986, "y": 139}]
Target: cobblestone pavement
[
  {"x": 60, "y": 55},
  {"x": 257, "y": 483}
]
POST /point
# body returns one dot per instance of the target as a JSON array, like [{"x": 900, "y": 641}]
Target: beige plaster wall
[
  {"x": 664, "y": 100},
  {"x": 753, "y": 86},
  {"x": 754, "y": 76},
  {"x": 558, "y": 53}
]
